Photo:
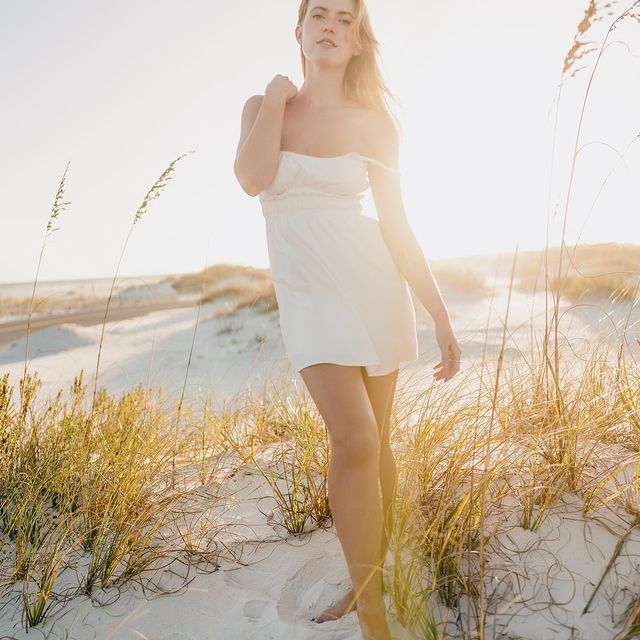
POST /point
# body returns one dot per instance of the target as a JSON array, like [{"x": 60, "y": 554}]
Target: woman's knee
[
  {"x": 341, "y": 396},
  {"x": 356, "y": 446}
]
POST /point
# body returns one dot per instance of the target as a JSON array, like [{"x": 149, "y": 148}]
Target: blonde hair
[{"x": 363, "y": 81}]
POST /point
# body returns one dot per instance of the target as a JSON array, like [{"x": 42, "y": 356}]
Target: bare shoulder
[
  {"x": 252, "y": 105},
  {"x": 382, "y": 135},
  {"x": 249, "y": 115},
  {"x": 250, "y": 111},
  {"x": 383, "y": 131}
]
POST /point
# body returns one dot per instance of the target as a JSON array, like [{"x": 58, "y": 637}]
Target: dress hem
[{"x": 381, "y": 371}]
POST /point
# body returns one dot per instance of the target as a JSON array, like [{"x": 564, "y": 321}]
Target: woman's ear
[{"x": 298, "y": 34}]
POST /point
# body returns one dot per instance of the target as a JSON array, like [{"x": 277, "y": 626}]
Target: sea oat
[
  {"x": 154, "y": 192},
  {"x": 579, "y": 48},
  {"x": 58, "y": 206},
  {"x": 157, "y": 187}
]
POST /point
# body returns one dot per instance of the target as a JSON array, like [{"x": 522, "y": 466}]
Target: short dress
[{"x": 341, "y": 297}]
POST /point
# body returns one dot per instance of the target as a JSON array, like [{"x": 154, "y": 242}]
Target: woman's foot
[
  {"x": 338, "y": 609},
  {"x": 373, "y": 622}
]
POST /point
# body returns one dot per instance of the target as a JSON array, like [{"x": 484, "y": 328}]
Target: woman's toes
[{"x": 338, "y": 609}]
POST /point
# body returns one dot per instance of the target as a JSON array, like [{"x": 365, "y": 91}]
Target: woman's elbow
[
  {"x": 249, "y": 188},
  {"x": 248, "y": 183},
  {"x": 253, "y": 185}
]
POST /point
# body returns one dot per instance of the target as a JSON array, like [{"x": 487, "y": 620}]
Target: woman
[{"x": 346, "y": 314}]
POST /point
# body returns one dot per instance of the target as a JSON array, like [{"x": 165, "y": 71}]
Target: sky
[{"x": 120, "y": 89}]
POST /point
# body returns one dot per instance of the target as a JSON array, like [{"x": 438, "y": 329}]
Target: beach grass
[
  {"x": 117, "y": 491},
  {"x": 110, "y": 491}
]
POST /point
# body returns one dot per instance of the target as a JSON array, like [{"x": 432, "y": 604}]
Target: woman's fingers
[
  {"x": 441, "y": 371},
  {"x": 450, "y": 363}
]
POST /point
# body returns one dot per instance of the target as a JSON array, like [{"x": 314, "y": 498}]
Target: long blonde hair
[{"x": 363, "y": 82}]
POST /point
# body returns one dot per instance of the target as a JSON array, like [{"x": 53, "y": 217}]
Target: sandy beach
[{"x": 257, "y": 581}]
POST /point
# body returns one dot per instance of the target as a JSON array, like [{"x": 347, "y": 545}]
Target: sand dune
[{"x": 285, "y": 580}]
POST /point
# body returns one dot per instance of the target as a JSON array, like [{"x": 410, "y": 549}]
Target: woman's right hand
[
  {"x": 281, "y": 86},
  {"x": 449, "y": 365}
]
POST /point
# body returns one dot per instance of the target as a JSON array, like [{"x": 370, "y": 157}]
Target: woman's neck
[{"x": 322, "y": 90}]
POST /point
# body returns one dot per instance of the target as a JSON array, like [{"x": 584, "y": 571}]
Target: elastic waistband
[{"x": 310, "y": 202}]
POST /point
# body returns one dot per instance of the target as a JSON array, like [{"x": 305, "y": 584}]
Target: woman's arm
[
  {"x": 257, "y": 155},
  {"x": 260, "y": 136},
  {"x": 403, "y": 246}
]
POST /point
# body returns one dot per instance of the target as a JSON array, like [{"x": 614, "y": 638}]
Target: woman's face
[{"x": 331, "y": 20}]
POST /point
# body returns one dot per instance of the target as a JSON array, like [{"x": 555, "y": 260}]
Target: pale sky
[{"x": 122, "y": 88}]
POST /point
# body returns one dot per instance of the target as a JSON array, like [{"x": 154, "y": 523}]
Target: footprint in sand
[
  {"x": 248, "y": 579},
  {"x": 309, "y": 591},
  {"x": 316, "y": 584},
  {"x": 254, "y": 610}
]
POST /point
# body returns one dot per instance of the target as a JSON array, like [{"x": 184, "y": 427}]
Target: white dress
[{"x": 341, "y": 297}]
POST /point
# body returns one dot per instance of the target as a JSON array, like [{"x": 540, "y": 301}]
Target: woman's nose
[{"x": 328, "y": 25}]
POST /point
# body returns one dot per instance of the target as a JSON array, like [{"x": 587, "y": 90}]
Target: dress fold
[{"x": 341, "y": 297}]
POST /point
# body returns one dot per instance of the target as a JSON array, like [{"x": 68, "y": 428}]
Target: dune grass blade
[
  {"x": 154, "y": 192},
  {"x": 58, "y": 207}
]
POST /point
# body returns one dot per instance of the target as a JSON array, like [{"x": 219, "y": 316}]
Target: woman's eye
[{"x": 319, "y": 15}]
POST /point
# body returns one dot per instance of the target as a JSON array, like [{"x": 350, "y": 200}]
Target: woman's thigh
[
  {"x": 381, "y": 391},
  {"x": 340, "y": 394}
]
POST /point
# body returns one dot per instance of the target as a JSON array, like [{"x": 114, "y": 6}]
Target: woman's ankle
[
  {"x": 372, "y": 608},
  {"x": 373, "y": 623}
]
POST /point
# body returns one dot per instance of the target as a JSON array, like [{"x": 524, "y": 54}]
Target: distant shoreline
[{"x": 12, "y": 330}]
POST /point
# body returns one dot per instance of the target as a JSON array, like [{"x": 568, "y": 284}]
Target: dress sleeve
[{"x": 381, "y": 164}]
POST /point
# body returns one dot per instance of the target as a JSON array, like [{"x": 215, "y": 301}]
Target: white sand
[
  {"x": 288, "y": 580},
  {"x": 65, "y": 296}
]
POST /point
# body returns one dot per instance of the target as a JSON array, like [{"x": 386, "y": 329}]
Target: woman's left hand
[{"x": 450, "y": 363}]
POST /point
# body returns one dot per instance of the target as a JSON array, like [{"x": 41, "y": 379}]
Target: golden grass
[
  {"x": 121, "y": 489},
  {"x": 58, "y": 207},
  {"x": 220, "y": 275},
  {"x": 597, "y": 270},
  {"x": 609, "y": 270},
  {"x": 109, "y": 484},
  {"x": 258, "y": 294},
  {"x": 154, "y": 192}
]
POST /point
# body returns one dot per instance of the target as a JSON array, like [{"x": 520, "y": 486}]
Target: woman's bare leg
[
  {"x": 381, "y": 390},
  {"x": 355, "y": 497}
]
